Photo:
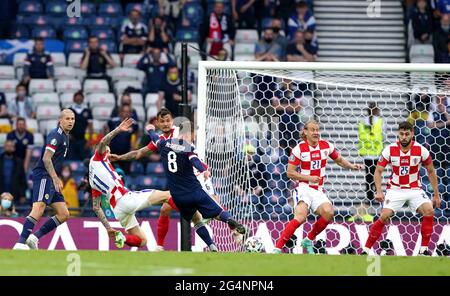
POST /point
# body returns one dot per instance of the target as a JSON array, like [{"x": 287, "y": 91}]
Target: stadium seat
[
  {"x": 7, "y": 72},
  {"x": 120, "y": 86},
  {"x": 76, "y": 166},
  {"x": 244, "y": 57},
  {"x": 102, "y": 112},
  {"x": 2, "y": 139},
  {"x": 116, "y": 58},
  {"x": 75, "y": 33},
  {"x": 88, "y": 9},
  {"x": 65, "y": 73},
  {"x": 41, "y": 86},
  {"x": 59, "y": 59},
  {"x": 246, "y": 36},
  {"x": 75, "y": 59},
  {"x": 21, "y": 32},
  {"x": 46, "y": 125},
  {"x": 187, "y": 36},
  {"x": 56, "y": 8},
  {"x": 10, "y": 96},
  {"x": 101, "y": 99},
  {"x": 98, "y": 125},
  {"x": 137, "y": 168},
  {"x": 151, "y": 99},
  {"x": 19, "y": 59},
  {"x": 155, "y": 168},
  {"x": 5, "y": 125},
  {"x": 46, "y": 32},
  {"x": 47, "y": 112},
  {"x": 144, "y": 182},
  {"x": 110, "y": 9},
  {"x": 30, "y": 7},
  {"x": 74, "y": 21},
  {"x": 95, "y": 86},
  {"x": 80, "y": 73},
  {"x": 32, "y": 125},
  {"x": 102, "y": 33},
  {"x": 98, "y": 21},
  {"x": 46, "y": 99},
  {"x": 421, "y": 50},
  {"x": 152, "y": 111},
  {"x": 130, "y": 60},
  {"x": 76, "y": 46},
  {"x": 244, "y": 48},
  {"x": 193, "y": 13},
  {"x": 40, "y": 20},
  {"x": 120, "y": 73},
  {"x": 140, "y": 111},
  {"x": 137, "y": 99},
  {"x": 133, "y": 6},
  {"x": 66, "y": 98},
  {"x": 68, "y": 85},
  {"x": 108, "y": 45},
  {"x": 38, "y": 139}
]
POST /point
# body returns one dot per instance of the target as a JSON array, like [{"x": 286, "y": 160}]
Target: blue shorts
[
  {"x": 200, "y": 201},
  {"x": 43, "y": 190}
]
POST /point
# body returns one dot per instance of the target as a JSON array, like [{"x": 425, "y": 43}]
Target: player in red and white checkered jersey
[
  {"x": 405, "y": 156},
  {"x": 311, "y": 156}
]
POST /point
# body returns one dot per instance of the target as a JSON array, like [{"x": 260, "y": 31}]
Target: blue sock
[
  {"x": 201, "y": 230},
  {"x": 48, "y": 226},
  {"x": 27, "y": 229},
  {"x": 224, "y": 216}
]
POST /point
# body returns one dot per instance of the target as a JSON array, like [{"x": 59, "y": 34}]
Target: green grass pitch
[{"x": 183, "y": 263}]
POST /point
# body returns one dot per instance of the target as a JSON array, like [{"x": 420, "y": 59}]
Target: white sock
[{"x": 423, "y": 249}]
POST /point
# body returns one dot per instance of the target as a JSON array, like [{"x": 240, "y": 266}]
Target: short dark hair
[
  {"x": 92, "y": 37},
  {"x": 20, "y": 119},
  {"x": 301, "y": 4},
  {"x": 78, "y": 93},
  {"x": 163, "y": 112},
  {"x": 20, "y": 85},
  {"x": 38, "y": 39},
  {"x": 405, "y": 125}
]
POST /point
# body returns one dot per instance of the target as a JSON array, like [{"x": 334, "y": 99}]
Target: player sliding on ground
[
  {"x": 164, "y": 121},
  {"x": 405, "y": 157},
  {"x": 104, "y": 180},
  {"x": 178, "y": 157},
  {"x": 311, "y": 156}
]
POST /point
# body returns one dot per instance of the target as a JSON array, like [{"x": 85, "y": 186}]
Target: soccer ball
[{"x": 254, "y": 244}]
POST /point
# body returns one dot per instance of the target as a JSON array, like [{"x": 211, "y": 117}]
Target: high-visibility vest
[{"x": 370, "y": 138}]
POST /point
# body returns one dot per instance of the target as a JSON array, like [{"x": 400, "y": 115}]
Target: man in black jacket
[{"x": 12, "y": 173}]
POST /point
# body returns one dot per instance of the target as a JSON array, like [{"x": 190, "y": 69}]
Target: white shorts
[
  {"x": 312, "y": 197},
  {"x": 129, "y": 204},
  {"x": 207, "y": 185},
  {"x": 395, "y": 199}
]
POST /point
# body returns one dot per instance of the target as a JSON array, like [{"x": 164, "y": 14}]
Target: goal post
[{"x": 249, "y": 116}]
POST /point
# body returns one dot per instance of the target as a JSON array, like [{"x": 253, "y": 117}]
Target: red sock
[
  {"x": 375, "y": 233},
  {"x": 133, "y": 240},
  {"x": 426, "y": 230},
  {"x": 162, "y": 229},
  {"x": 318, "y": 227},
  {"x": 287, "y": 233}
]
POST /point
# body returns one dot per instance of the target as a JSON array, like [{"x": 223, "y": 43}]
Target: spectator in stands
[
  {"x": 125, "y": 100},
  {"x": 419, "y": 116},
  {"x": 286, "y": 103},
  {"x": 311, "y": 41},
  {"x": 70, "y": 190},
  {"x": 170, "y": 91},
  {"x": 300, "y": 51},
  {"x": 7, "y": 208},
  {"x": 134, "y": 34},
  {"x": 422, "y": 22},
  {"x": 123, "y": 142},
  {"x": 218, "y": 30},
  {"x": 79, "y": 147},
  {"x": 244, "y": 13},
  {"x": 302, "y": 20},
  {"x": 158, "y": 35},
  {"x": 155, "y": 68},
  {"x": 38, "y": 63},
  {"x": 22, "y": 106},
  {"x": 281, "y": 8},
  {"x": 95, "y": 60},
  {"x": 7, "y": 17},
  {"x": 12, "y": 174},
  {"x": 266, "y": 49},
  {"x": 279, "y": 36},
  {"x": 3, "y": 106},
  {"x": 439, "y": 123},
  {"x": 23, "y": 141},
  {"x": 441, "y": 38}
]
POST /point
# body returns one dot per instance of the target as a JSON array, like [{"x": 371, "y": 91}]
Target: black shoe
[
  {"x": 425, "y": 253},
  {"x": 234, "y": 225}
]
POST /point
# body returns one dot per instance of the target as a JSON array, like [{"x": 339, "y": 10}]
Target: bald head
[{"x": 66, "y": 120}]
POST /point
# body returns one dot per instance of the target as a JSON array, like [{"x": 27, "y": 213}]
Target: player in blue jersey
[
  {"x": 178, "y": 156},
  {"x": 47, "y": 186}
]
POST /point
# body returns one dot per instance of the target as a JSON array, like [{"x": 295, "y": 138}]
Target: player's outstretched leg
[
  {"x": 163, "y": 224},
  {"x": 135, "y": 237},
  {"x": 377, "y": 229},
  {"x": 326, "y": 213},
  {"x": 202, "y": 231},
  {"x": 36, "y": 213},
  {"x": 300, "y": 213},
  {"x": 225, "y": 216},
  {"x": 426, "y": 229}
]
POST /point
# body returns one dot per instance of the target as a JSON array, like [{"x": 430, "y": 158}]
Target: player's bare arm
[
  {"x": 47, "y": 159},
  {"x": 132, "y": 155},
  {"x": 96, "y": 207},
  {"x": 377, "y": 178},
  {"x": 343, "y": 162},
  {"x": 294, "y": 175},
  {"x": 434, "y": 184},
  {"x": 124, "y": 126}
]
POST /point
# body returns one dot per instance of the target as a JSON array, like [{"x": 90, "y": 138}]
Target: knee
[
  {"x": 143, "y": 241},
  {"x": 428, "y": 212},
  {"x": 384, "y": 218},
  {"x": 328, "y": 214},
  {"x": 165, "y": 210},
  {"x": 300, "y": 217},
  {"x": 63, "y": 217}
]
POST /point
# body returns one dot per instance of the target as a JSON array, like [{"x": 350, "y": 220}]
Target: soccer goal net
[{"x": 250, "y": 115}]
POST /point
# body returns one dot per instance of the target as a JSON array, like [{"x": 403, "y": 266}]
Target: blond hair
[{"x": 307, "y": 124}]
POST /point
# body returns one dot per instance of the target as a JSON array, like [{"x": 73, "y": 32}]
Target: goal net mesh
[{"x": 254, "y": 118}]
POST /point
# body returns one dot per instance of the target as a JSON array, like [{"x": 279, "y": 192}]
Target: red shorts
[{"x": 172, "y": 204}]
